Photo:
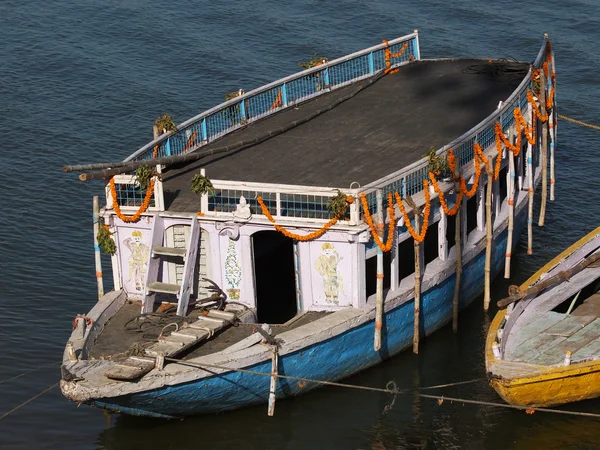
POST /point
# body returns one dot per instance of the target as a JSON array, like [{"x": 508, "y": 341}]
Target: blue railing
[
  {"x": 269, "y": 99},
  {"x": 409, "y": 181}
]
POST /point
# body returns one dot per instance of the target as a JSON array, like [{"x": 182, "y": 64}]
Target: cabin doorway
[{"x": 274, "y": 277}]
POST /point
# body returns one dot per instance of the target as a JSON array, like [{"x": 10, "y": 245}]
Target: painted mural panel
[
  {"x": 135, "y": 250},
  {"x": 331, "y": 269},
  {"x": 233, "y": 271}
]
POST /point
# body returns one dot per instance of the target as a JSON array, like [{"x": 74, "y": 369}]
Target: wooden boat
[
  {"x": 545, "y": 349},
  {"x": 288, "y": 260}
]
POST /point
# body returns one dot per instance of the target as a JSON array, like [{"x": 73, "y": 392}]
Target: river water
[{"x": 83, "y": 81}]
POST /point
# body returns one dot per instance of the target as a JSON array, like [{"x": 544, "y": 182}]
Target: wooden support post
[
  {"x": 458, "y": 247},
  {"x": 544, "y": 149},
  {"x": 510, "y": 186},
  {"x": 379, "y": 286},
  {"x": 97, "y": 257},
  {"x": 552, "y": 126},
  {"x": 489, "y": 232},
  {"x": 273, "y": 386},
  {"x": 417, "y": 307},
  {"x": 529, "y": 163}
]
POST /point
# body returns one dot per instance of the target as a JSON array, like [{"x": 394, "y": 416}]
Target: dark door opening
[{"x": 274, "y": 276}]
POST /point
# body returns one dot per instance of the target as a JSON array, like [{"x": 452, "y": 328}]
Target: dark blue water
[{"x": 83, "y": 82}]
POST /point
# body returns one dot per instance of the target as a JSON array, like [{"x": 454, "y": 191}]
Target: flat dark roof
[{"x": 385, "y": 127}]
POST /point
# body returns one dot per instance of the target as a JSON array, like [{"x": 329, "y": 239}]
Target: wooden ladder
[{"x": 157, "y": 253}]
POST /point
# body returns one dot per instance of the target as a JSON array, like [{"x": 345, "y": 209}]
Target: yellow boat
[{"x": 543, "y": 347}]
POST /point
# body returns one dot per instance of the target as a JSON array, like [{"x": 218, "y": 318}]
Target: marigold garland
[
  {"x": 535, "y": 107},
  {"x": 463, "y": 185},
  {"x": 143, "y": 207},
  {"x": 390, "y": 238},
  {"x": 515, "y": 149},
  {"x": 308, "y": 237},
  {"x": 451, "y": 163},
  {"x": 421, "y": 236},
  {"x": 529, "y": 131},
  {"x": 443, "y": 203},
  {"x": 389, "y": 55},
  {"x": 277, "y": 103}
]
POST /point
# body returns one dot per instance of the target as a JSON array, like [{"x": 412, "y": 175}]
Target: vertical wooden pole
[
  {"x": 417, "y": 309},
  {"x": 458, "y": 247},
  {"x": 273, "y": 386},
  {"x": 489, "y": 233},
  {"x": 544, "y": 149},
  {"x": 379, "y": 287},
  {"x": 552, "y": 126},
  {"x": 98, "y": 258},
  {"x": 510, "y": 186},
  {"x": 529, "y": 160}
]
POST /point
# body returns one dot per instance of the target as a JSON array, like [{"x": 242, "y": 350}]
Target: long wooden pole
[
  {"x": 489, "y": 235},
  {"x": 417, "y": 309},
  {"x": 97, "y": 257},
  {"x": 510, "y": 186},
  {"x": 552, "y": 126},
  {"x": 273, "y": 384},
  {"x": 458, "y": 247},
  {"x": 379, "y": 286},
  {"x": 529, "y": 157},
  {"x": 550, "y": 282},
  {"x": 544, "y": 149}
]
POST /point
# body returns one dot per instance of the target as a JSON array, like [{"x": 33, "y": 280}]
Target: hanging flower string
[
  {"x": 390, "y": 238},
  {"x": 310, "y": 236},
  {"x": 143, "y": 208},
  {"x": 389, "y": 55},
  {"x": 536, "y": 108},
  {"x": 421, "y": 236},
  {"x": 440, "y": 193}
]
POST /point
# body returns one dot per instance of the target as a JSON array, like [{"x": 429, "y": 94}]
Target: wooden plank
[
  {"x": 165, "y": 288},
  {"x": 130, "y": 369},
  {"x": 590, "y": 351},
  {"x": 569, "y": 325},
  {"x": 583, "y": 337},
  {"x": 531, "y": 330},
  {"x": 532, "y": 348},
  {"x": 168, "y": 251},
  {"x": 188, "y": 270}
]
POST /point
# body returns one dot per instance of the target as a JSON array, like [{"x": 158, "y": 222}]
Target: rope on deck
[
  {"x": 390, "y": 389},
  {"x": 579, "y": 122}
]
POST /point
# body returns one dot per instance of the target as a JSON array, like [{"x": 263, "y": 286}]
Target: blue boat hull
[{"x": 333, "y": 359}]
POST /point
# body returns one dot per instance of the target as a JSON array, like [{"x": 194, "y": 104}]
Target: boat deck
[
  {"x": 546, "y": 340},
  {"x": 122, "y": 335},
  {"x": 386, "y": 126}
]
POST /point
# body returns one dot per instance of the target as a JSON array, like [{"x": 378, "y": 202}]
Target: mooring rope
[
  {"x": 28, "y": 401},
  {"x": 579, "y": 122},
  {"x": 389, "y": 389},
  {"x": 30, "y": 371}
]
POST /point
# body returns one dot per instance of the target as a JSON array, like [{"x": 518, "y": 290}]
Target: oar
[{"x": 560, "y": 277}]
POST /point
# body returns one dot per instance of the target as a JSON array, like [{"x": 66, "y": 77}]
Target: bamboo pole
[
  {"x": 417, "y": 244},
  {"x": 529, "y": 156},
  {"x": 273, "y": 385},
  {"x": 544, "y": 150},
  {"x": 489, "y": 235},
  {"x": 97, "y": 257},
  {"x": 550, "y": 282},
  {"x": 553, "y": 130},
  {"x": 510, "y": 186},
  {"x": 379, "y": 290},
  {"x": 458, "y": 247}
]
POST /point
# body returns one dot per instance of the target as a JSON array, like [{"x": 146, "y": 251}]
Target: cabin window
[
  {"x": 503, "y": 186},
  {"x": 275, "y": 277},
  {"x": 431, "y": 250},
  {"x": 451, "y": 229},
  {"x": 371, "y": 273},
  {"x": 406, "y": 258}
]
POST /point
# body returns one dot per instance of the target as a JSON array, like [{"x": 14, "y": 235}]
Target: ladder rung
[
  {"x": 168, "y": 251},
  {"x": 165, "y": 288}
]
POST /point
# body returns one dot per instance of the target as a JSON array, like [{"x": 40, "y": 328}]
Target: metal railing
[{"x": 281, "y": 94}]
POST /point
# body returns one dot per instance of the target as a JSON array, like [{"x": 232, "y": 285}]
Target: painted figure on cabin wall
[
  {"x": 327, "y": 266},
  {"x": 137, "y": 259}
]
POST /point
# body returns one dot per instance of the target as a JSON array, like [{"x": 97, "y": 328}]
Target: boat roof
[{"x": 387, "y": 125}]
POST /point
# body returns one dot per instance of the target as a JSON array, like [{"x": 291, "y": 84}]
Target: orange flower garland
[
  {"x": 451, "y": 163},
  {"x": 535, "y": 107},
  {"x": 307, "y": 237},
  {"x": 529, "y": 131},
  {"x": 390, "y": 239},
  {"x": 389, "y": 55},
  {"x": 516, "y": 149},
  {"x": 440, "y": 193},
  {"x": 143, "y": 208},
  {"x": 417, "y": 237},
  {"x": 463, "y": 185}
]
